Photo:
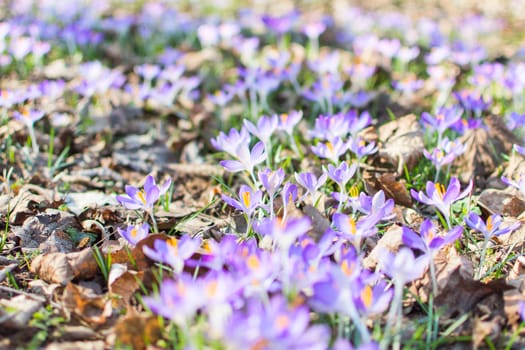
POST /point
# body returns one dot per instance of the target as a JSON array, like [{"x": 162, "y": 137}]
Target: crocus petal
[
  {"x": 233, "y": 165},
  {"x": 411, "y": 239}
]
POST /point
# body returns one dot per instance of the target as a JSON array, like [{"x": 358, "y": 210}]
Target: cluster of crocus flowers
[{"x": 144, "y": 199}]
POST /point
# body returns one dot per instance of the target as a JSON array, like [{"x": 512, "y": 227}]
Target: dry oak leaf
[
  {"x": 401, "y": 142},
  {"x": 95, "y": 309},
  {"x": 17, "y": 311},
  {"x": 123, "y": 282},
  {"x": 62, "y": 268},
  {"x": 482, "y": 150},
  {"x": 137, "y": 331},
  {"x": 458, "y": 292}
]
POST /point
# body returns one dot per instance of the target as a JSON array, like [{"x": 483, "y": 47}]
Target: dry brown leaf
[
  {"x": 401, "y": 142},
  {"x": 137, "y": 331},
  {"x": 480, "y": 157},
  {"x": 95, "y": 309},
  {"x": 500, "y": 202},
  {"x": 53, "y": 268},
  {"x": 458, "y": 292},
  {"x": 16, "y": 312},
  {"x": 393, "y": 189},
  {"x": 123, "y": 282}
]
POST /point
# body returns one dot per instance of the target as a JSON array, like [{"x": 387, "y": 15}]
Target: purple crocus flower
[
  {"x": 519, "y": 184},
  {"x": 247, "y": 160},
  {"x": 310, "y": 182},
  {"x": 221, "y": 98},
  {"x": 230, "y": 142},
  {"x": 148, "y": 71},
  {"x": 271, "y": 180},
  {"x": 342, "y": 173},
  {"x": 444, "y": 119},
  {"x": 282, "y": 24},
  {"x": 490, "y": 228},
  {"x": 408, "y": 85},
  {"x": 331, "y": 150},
  {"x": 359, "y": 147},
  {"x": 472, "y": 101},
  {"x": 288, "y": 121},
  {"x": 356, "y": 230},
  {"x": 28, "y": 116},
  {"x": 146, "y": 198},
  {"x": 403, "y": 267},
  {"x": 442, "y": 199},
  {"x": 376, "y": 204},
  {"x": 173, "y": 251},
  {"x": 178, "y": 300},
  {"x": 276, "y": 325},
  {"x": 284, "y": 234},
  {"x": 428, "y": 241},
  {"x": 289, "y": 195},
  {"x": 134, "y": 233},
  {"x": 249, "y": 200},
  {"x": 264, "y": 129}
]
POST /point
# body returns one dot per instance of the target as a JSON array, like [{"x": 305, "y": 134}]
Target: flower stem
[{"x": 482, "y": 258}]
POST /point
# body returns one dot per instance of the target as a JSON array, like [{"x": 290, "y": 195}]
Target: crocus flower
[
  {"x": 341, "y": 174},
  {"x": 247, "y": 160},
  {"x": 444, "y": 119},
  {"x": 490, "y": 228},
  {"x": 331, "y": 150},
  {"x": 173, "y": 251},
  {"x": 134, "y": 233},
  {"x": 289, "y": 195},
  {"x": 519, "y": 184},
  {"x": 359, "y": 147},
  {"x": 310, "y": 182},
  {"x": 28, "y": 116},
  {"x": 402, "y": 267},
  {"x": 276, "y": 325},
  {"x": 146, "y": 198},
  {"x": 178, "y": 300},
  {"x": 442, "y": 199},
  {"x": 271, "y": 180},
  {"x": 230, "y": 142},
  {"x": 288, "y": 121},
  {"x": 284, "y": 234},
  {"x": 249, "y": 200},
  {"x": 355, "y": 230},
  {"x": 264, "y": 129},
  {"x": 376, "y": 204},
  {"x": 428, "y": 241}
]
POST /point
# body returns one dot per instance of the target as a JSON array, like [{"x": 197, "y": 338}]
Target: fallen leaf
[
  {"x": 401, "y": 142},
  {"x": 53, "y": 268},
  {"x": 123, "y": 282},
  {"x": 95, "y": 309},
  {"x": 137, "y": 331},
  {"x": 77, "y": 345},
  {"x": 480, "y": 158},
  {"x": 393, "y": 189},
  {"x": 16, "y": 312}
]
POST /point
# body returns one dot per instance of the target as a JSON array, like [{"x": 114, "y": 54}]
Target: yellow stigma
[
  {"x": 207, "y": 247},
  {"x": 440, "y": 116},
  {"x": 353, "y": 228},
  {"x": 440, "y": 189},
  {"x": 489, "y": 223},
  {"x": 134, "y": 232},
  {"x": 346, "y": 268},
  {"x": 173, "y": 242},
  {"x": 367, "y": 296},
  {"x": 284, "y": 117},
  {"x": 25, "y": 112},
  {"x": 142, "y": 196},
  {"x": 246, "y": 199},
  {"x": 440, "y": 154},
  {"x": 354, "y": 191},
  {"x": 253, "y": 262},
  {"x": 211, "y": 288},
  {"x": 330, "y": 147},
  {"x": 282, "y": 322}
]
